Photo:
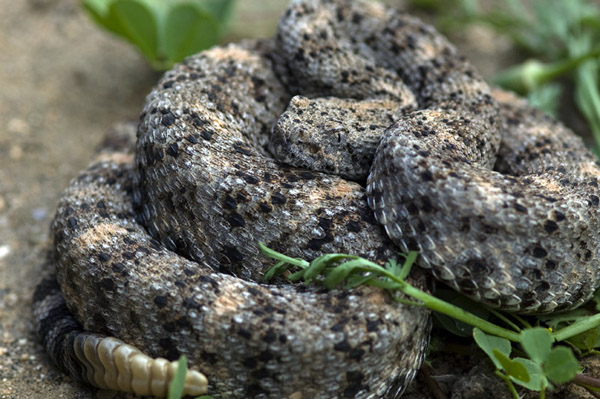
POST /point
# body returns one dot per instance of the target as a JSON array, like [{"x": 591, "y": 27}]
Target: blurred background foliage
[{"x": 555, "y": 40}]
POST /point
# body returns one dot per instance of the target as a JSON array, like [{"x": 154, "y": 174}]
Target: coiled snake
[{"x": 501, "y": 201}]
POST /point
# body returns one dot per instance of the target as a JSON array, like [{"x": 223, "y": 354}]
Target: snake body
[{"x": 161, "y": 250}]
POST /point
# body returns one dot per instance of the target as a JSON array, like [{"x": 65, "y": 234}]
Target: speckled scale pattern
[
  {"x": 250, "y": 339},
  {"x": 523, "y": 240},
  {"x": 160, "y": 248},
  {"x": 207, "y": 190},
  {"x": 335, "y": 135}
]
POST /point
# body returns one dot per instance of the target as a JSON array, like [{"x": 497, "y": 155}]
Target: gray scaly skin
[{"x": 161, "y": 251}]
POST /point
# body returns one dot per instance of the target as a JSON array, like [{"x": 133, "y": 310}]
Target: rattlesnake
[{"x": 500, "y": 200}]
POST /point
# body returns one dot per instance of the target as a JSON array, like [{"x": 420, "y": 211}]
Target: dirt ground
[{"x": 63, "y": 83}]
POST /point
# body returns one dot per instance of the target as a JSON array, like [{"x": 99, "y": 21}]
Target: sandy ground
[{"x": 63, "y": 83}]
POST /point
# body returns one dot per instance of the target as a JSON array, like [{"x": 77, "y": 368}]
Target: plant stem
[
  {"x": 444, "y": 307},
  {"x": 457, "y": 313},
  {"x": 586, "y": 380},
  {"x": 511, "y": 386},
  {"x": 577, "y": 328},
  {"x": 505, "y": 320}
]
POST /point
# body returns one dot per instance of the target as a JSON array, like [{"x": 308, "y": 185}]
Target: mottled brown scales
[
  {"x": 335, "y": 135},
  {"x": 236, "y": 145}
]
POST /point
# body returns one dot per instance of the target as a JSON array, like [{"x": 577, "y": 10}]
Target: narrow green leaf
[
  {"x": 319, "y": 264},
  {"x": 188, "y": 30},
  {"x": 409, "y": 261},
  {"x": 559, "y": 320},
  {"x": 561, "y": 365},
  {"x": 297, "y": 276},
  {"x": 341, "y": 272},
  {"x": 537, "y": 343},
  {"x": 177, "y": 383},
  {"x": 271, "y": 253},
  {"x": 276, "y": 270},
  {"x": 490, "y": 343},
  {"x": 356, "y": 280}
]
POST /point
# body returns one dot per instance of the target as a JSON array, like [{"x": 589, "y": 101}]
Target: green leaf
[
  {"x": 596, "y": 298},
  {"x": 177, "y": 384},
  {"x": 135, "y": 20},
  {"x": 319, "y": 264},
  {"x": 587, "y": 340},
  {"x": 356, "y": 280},
  {"x": 406, "y": 267},
  {"x": 513, "y": 369},
  {"x": 451, "y": 324},
  {"x": 188, "y": 30},
  {"x": 537, "y": 343},
  {"x": 559, "y": 320},
  {"x": 276, "y": 270},
  {"x": 546, "y": 98},
  {"x": 98, "y": 10},
  {"x": 561, "y": 365},
  {"x": 341, "y": 272},
  {"x": 490, "y": 343},
  {"x": 220, "y": 9},
  {"x": 537, "y": 380}
]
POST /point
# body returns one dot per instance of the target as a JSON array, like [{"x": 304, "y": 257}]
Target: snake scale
[{"x": 357, "y": 129}]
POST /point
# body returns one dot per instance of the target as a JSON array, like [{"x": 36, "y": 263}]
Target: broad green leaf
[
  {"x": 136, "y": 21},
  {"x": 537, "y": 380},
  {"x": 99, "y": 12},
  {"x": 502, "y": 359},
  {"x": 546, "y": 98},
  {"x": 537, "y": 343},
  {"x": 220, "y": 9},
  {"x": 513, "y": 369},
  {"x": 188, "y": 30},
  {"x": 587, "y": 340},
  {"x": 177, "y": 384},
  {"x": 489, "y": 343},
  {"x": 97, "y": 8},
  {"x": 456, "y": 327},
  {"x": 561, "y": 365}
]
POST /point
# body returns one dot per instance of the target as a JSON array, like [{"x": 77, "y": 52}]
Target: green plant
[
  {"x": 177, "y": 383},
  {"x": 546, "y": 363},
  {"x": 165, "y": 31},
  {"x": 559, "y": 35}
]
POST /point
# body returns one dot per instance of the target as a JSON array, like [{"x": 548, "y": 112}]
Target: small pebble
[
  {"x": 4, "y": 251},
  {"x": 17, "y": 125},
  {"x": 39, "y": 214},
  {"x": 16, "y": 152}
]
